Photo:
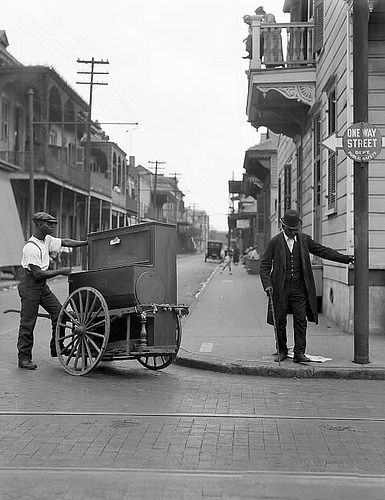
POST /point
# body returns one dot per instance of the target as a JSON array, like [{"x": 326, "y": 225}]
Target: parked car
[{"x": 214, "y": 249}]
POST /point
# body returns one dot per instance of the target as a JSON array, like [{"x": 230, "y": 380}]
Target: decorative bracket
[{"x": 304, "y": 93}]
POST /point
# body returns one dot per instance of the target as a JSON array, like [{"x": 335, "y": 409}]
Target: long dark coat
[{"x": 273, "y": 270}]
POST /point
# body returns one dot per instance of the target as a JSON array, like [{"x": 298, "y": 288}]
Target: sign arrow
[{"x": 332, "y": 142}]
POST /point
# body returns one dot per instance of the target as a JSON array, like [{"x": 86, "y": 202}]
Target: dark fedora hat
[
  {"x": 260, "y": 11},
  {"x": 43, "y": 217},
  {"x": 291, "y": 219}
]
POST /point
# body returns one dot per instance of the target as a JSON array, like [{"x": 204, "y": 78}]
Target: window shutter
[
  {"x": 332, "y": 181},
  {"x": 318, "y": 25},
  {"x": 80, "y": 156}
]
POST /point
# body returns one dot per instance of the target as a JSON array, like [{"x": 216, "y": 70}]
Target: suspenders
[{"x": 36, "y": 245}]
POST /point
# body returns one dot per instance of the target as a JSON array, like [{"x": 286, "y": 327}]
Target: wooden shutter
[
  {"x": 318, "y": 25},
  {"x": 332, "y": 181},
  {"x": 80, "y": 156},
  {"x": 287, "y": 188}
]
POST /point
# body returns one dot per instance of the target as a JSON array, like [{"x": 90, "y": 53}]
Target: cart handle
[{"x": 40, "y": 315}]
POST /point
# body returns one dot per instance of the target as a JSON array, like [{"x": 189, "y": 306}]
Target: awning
[{"x": 12, "y": 239}]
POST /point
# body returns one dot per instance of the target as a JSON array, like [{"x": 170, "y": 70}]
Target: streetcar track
[
  {"x": 242, "y": 416},
  {"x": 196, "y": 473}
]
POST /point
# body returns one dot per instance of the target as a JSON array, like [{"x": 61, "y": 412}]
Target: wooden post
[{"x": 361, "y": 202}]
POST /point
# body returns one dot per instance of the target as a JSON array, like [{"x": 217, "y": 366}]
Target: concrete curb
[
  {"x": 274, "y": 370},
  {"x": 198, "y": 296}
]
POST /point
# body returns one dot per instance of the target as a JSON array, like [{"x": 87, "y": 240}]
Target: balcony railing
[
  {"x": 100, "y": 183},
  {"x": 21, "y": 158},
  {"x": 280, "y": 45},
  {"x": 131, "y": 204},
  {"x": 55, "y": 165}
]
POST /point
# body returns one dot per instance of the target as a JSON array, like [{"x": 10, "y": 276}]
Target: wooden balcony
[
  {"x": 131, "y": 204},
  {"x": 100, "y": 183},
  {"x": 281, "y": 75},
  {"x": 53, "y": 163}
]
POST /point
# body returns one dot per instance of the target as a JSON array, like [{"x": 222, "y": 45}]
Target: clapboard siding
[
  {"x": 376, "y": 50},
  {"x": 332, "y": 67}
]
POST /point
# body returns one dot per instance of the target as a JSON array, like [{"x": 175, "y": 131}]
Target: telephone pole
[
  {"x": 156, "y": 163},
  {"x": 361, "y": 198},
  {"x": 91, "y": 83},
  {"x": 31, "y": 157}
]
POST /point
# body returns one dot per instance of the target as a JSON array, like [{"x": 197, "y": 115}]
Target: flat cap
[{"x": 43, "y": 216}]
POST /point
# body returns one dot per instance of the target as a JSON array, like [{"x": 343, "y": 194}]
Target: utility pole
[
  {"x": 31, "y": 155},
  {"x": 156, "y": 163},
  {"x": 91, "y": 83},
  {"x": 361, "y": 202},
  {"x": 138, "y": 209}
]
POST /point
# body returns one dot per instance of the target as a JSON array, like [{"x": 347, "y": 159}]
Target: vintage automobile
[{"x": 213, "y": 251}]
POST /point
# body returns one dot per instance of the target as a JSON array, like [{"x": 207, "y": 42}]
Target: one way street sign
[{"x": 361, "y": 142}]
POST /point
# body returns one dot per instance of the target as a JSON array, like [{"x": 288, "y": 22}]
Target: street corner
[
  {"x": 263, "y": 368},
  {"x": 267, "y": 367}
]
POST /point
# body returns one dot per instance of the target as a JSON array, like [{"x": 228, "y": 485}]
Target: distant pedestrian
[
  {"x": 287, "y": 276},
  {"x": 253, "y": 253},
  {"x": 236, "y": 254},
  {"x": 226, "y": 263},
  {"x": 33, "y": 289}
]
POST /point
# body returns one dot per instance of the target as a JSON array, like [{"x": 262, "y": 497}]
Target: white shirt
[
  {"x": 37, "y": 252},
  {"x": 290, "y": 242}
]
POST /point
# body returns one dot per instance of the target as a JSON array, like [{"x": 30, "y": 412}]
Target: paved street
[{"x": 126, "y": 432}]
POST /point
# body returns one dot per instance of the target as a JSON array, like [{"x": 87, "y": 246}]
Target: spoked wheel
[
  {"x": 82, "y": 330},
  {"x": 160, "y": 361}
]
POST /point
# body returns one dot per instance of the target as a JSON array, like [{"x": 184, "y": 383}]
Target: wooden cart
[{"x": 124, "y": 306}]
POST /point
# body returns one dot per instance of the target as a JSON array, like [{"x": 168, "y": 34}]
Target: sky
[{"x": 175, "y": 67}]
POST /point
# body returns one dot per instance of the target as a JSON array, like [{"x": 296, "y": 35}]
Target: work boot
[{"x": 27, "y": 364}]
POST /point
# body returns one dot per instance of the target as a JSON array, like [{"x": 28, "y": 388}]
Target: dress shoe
[
  {"x": 280, "y": 356},
  {"x": 301, "y": 358},
  {"x": 27, "y": 364}
]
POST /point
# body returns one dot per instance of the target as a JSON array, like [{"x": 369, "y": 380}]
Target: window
[
  {"x": 287, "y": 188},
  {"x": 53, "y": 138},
  {"x": 5, "y": 120},
  {"x": 332, "y": 156},
  {"x": 279, "y": 199}
]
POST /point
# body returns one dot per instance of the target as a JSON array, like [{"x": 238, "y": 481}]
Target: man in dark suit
[{"x": 286, "y": 274}]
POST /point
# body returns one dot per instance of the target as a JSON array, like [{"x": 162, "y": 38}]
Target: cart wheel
[
  {"x": 82, "y": 330},
  {"x": 160, "y": 361}
]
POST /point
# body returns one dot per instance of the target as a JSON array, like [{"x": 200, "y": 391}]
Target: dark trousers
[
  {"x": 294, "y": 295},
  {"x": 33, "y": 294}
]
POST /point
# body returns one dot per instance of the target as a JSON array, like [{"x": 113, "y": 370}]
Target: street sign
[
  {"x": 243, "y": 224},
  {"x": 362, "y": 142}
]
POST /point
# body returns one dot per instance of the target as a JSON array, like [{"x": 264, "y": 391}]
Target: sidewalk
[{"x": 227, "y": 331}]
